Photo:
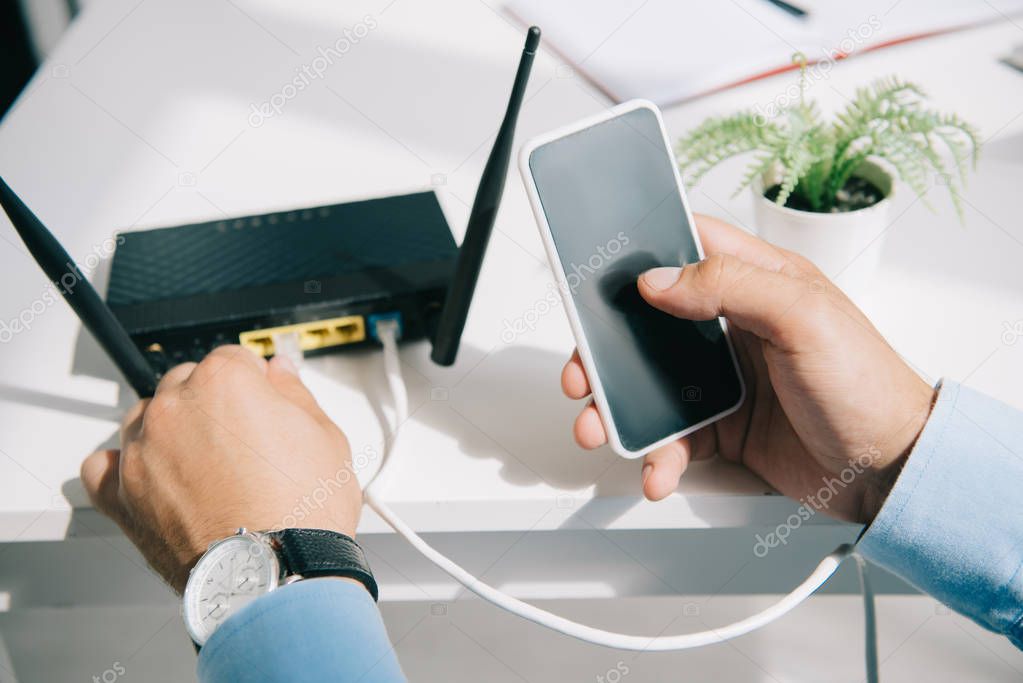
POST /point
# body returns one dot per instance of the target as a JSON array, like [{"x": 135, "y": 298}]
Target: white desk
[{"x": 141, "y": 118}]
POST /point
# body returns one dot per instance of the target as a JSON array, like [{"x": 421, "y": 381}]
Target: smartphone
[{"x": 609, "y": 203}]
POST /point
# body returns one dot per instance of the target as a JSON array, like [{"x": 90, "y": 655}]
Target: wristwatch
[{"x": 240, "y": 568}]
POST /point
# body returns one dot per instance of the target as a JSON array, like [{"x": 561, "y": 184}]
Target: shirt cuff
[
  {"x": 953, "y": 523},
  {"x": 312, "y": 630}
]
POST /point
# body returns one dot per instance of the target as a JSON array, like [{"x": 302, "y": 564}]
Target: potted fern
[{"x": 823, "y": 189}]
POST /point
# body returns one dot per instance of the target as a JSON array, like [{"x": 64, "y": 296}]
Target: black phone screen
[{"x": 614, "y": 209}]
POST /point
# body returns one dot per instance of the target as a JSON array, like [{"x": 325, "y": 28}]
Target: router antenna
[
  {"x": 76, "y": 290},
  {"x": 481, "y": 218}
]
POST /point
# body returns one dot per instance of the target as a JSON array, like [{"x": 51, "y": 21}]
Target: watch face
[{"x": 232, "y": 573}]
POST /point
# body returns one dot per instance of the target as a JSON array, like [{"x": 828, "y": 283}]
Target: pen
[{"x": 790, "y": 8}]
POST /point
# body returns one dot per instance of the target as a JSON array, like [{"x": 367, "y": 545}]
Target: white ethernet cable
[{"x": 387, "y": 333}]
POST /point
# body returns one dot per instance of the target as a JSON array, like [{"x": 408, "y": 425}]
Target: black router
[{"x": 327, "y": 273}]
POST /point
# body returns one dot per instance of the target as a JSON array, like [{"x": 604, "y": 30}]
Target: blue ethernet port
[{"x": 373, "y": 318}]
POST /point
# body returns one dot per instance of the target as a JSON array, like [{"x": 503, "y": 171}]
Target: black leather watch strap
[{"x": 319, "y": 552}]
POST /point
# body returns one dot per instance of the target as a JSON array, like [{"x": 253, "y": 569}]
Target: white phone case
[{"x": 585, "y": 353}]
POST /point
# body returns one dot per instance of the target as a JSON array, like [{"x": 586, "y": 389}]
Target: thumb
[
  {"x": 760, "y": 301},
  {"x": 101, "y": 478}
]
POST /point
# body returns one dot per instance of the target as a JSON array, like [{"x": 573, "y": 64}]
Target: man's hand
[
  {"x": 232, "y": 442},
  {"x": 827, "y": 397}
]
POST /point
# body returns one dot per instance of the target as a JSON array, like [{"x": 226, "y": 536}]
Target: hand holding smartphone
[{"x": 609, "y": 203}]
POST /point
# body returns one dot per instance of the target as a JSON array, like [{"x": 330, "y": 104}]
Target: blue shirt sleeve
[
  {"x": 314, "y": 630},
  {"x": 953, "y": 523}
]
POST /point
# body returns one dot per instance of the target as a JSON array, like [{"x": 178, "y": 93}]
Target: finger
[
  {"x": 663, "y": 468},
  {"x": 228, "y": 359},
  {"x": 283, "y": 375},
  {"x": 101, "y": 479},
  {"x": 233, "y": 353},
  {"x": 132, "y": 422},
  {"x": 760, "y": 301},
  {"x": 175, "y": 377},
  {"x": 703, "y": 444},
  {"x": 589, "y": 429},
  {"x": 719, "y": 237},
  {"x": 573, "y": 378}
]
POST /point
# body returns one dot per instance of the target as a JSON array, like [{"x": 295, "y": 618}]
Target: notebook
[{"x": 672, "y": 50}]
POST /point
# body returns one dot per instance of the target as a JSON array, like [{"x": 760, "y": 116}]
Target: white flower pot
[{"x": 845, "y": 246}]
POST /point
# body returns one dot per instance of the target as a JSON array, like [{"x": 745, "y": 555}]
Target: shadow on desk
[
  {"x": 506, "y": 405},
  {"x": 60, "y": 404}
]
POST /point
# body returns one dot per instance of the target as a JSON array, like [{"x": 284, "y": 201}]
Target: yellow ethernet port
[{"x": 318, "y": 334}]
